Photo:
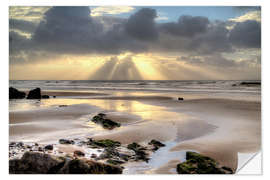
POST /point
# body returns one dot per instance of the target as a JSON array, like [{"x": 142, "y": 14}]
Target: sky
[{"x": 135, "y": 43}]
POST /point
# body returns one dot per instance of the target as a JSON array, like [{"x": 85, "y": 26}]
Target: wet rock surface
[
  {"x": 40, "y": 163},
  {"x": 96, "y": 156},
  {"x": 66, "y": 141},
  {"x": 198, "y": 164},
  {"x": 104, "y": 122},
  {"x": 156, "y": 144}
]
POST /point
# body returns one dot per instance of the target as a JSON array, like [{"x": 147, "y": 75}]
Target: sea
[{"x": 196, "y": 86}]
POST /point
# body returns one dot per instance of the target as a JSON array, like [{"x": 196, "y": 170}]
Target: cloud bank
[{"x": 77, "y": 30}]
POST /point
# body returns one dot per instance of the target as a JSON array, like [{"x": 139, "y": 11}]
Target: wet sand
[{"x": 219, "y": 128}]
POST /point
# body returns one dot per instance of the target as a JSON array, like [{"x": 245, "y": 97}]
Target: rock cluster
[
  {"x": 40, "y": 163},
  {"x": 33, "y": 94},
  {"x": 198, "y": 164}
]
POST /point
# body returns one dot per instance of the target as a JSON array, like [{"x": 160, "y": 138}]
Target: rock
[
  {"x": 180, "y": 99},
  {"x": 139, "y": 151},
  {"x": 62, "y": 106},
  {"x": 198, "y": 164},
  {"x": 45, "y": 97},
  {"x": 109, "y": 153},
  {"x": 156, "y": 144},
  {"x": 54, "y": 96},
  {"x": 40, "y": 163},
  {"x": 16, "y": 94},
  {"x": 66, "y": 141},
  {"x": 93, "y": 156},
  {"x": 34, "y": 94},
  {"x": 78, "y": 153},
  {"x": 115, "y": 161},
  {"x": 134, "y": 146},
  {"x": 104, "y": 143},
  {"x": 48, "y": 147},
  {"x": 40, "y": 149},
  {"x": 250, "y": 83},
  {"x": 79, "y": 166},
  {"x": 20, "y": 144},
  {"x": 35, "y": 163},
  {"x": 12, "y": 144},
  {"x": 106, "y": 123}
]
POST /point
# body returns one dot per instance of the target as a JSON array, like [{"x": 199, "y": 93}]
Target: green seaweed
[{"x": 198, "y": 164}]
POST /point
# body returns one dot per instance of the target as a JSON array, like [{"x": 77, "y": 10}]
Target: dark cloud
[
  {"x": 215, "y": 60},
  {"x": 186, "y": 26},
  {"x": 246, "y": 34},
  {"x": 18, "y": 42},
  {"x": 72, "y": 30},
  {"x": 24, "y": 26},
  {"x": 141, "y": 25},
  {"x": 215, "y": 39}
]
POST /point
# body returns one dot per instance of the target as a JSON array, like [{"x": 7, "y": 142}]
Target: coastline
[{"x": 201, "y": 125}]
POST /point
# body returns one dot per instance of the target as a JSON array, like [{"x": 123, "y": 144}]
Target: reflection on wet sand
[{"x": 201, "y": 125}]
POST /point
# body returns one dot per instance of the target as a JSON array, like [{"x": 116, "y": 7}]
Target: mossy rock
[
  {"x": 198, "y": 164},
  {"x": 107, "y": 143},
  {"x": 114, "y": 161},
  {"x": 156, "y": 144},
  {"x": 106, "y": 123},
  {"x": 134, "y": 146},
  {"x": 139, "y": 151}
]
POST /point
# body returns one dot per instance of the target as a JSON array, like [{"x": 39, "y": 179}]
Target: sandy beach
[{"x": 216, "y": 127}]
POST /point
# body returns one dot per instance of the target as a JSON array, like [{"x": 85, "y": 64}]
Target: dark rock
[
  {"x": 139, "y": 151},
  {"x": 66, "y": 141},
  {"x": 115, "y": 161},
  {"x": 36, "y": 144},
  {"x": 16, "y": 94},
  {"x": 40, "y": 149},
  {"x": 156, "y": 144},
  {"x": 227, "y": 169},
  {"x": 12, "y": 144},
  {"x": 34, "y": 163},
  {"x": 54, "y": 96},
  {"x": 20, "y": 144},
  {"x": 93, "y": 156},
  {"x": 78, "y": 153},
  {"x": 78, "y": 166},
  {"x": 109, "y": 153},
  {"x": 105, "y": 143},
  {"x": 45, "y": 97},
  {"x": 134, "y": 146},
  {"x": 34, "y": 94},
  {"x": 106, "y": 123},
  {"x": 180, "y": 99},
  {"x": 40, "y": 163},
  {"x": 48, "y": 147},
  {"x": 250, "y": 83},
  {"x": 198, "y": 164},
  {"x": 62, "y": 106}
]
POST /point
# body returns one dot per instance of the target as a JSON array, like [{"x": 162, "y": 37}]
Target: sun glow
[{"x": 126, "y": 66}]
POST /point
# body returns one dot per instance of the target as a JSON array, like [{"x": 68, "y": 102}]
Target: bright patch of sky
[{"x": 172, "y": 13}]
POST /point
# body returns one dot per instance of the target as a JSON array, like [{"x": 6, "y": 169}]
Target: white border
[{"x": 265, "y": 73}]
